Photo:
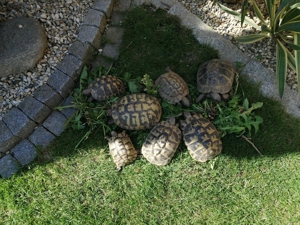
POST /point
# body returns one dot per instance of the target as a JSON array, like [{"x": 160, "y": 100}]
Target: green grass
[{"x": 67, "y": 186}]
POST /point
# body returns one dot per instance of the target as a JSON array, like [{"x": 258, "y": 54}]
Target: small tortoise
[
  {"x": 121, "y": 149},
  {"x": 201, "y": 137},
  {"x": 104, "y": 87},
  {"x": 137, "y": 111},
  {"x": 162, "y": 142},
  {"x": 215, "y": 78},
  {"x": 173, "y": 88}
]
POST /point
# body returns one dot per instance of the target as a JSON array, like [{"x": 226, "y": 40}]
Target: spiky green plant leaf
[
  {"x": 251, "y": 38},
  {"x": 281, "y": 66}
]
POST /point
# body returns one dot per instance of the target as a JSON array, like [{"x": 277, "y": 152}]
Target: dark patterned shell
[
  {"x": 161, "y": 143},
  {"x": 215, "y": 76},
  {"x": 136, "y": 111},
  {"x": 171, "y": 87},
  {"x": 105, "y": 87},
  {"x": 121, "y": 149},
  {"x": 201, "y": 138}
]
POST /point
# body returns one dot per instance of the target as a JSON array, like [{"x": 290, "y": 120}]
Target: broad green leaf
[
  {"x": 282, "y": 9},
  {"x": 293, "y": 26},
  {"x": 271, "y": 10},
  {"x": 291, "y": 15},
  {"x": 297, "y": 60},
  {"x": 246, "y": 104},
  {"x": 292, "y": 45},
  {"x": 239, "y": 16},
  {"x": 251, "y": 38},
  {"x": 257, "y": 105},
  {"x": 258, "y": 13},
  {"x": 281, "y": 66}
]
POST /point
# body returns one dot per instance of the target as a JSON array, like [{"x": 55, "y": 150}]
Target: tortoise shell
[
  {"x": 215, "y": 76},
  {"x": 162, "y": 143},
  {"x": 136, "y": 111},
  {"x": 104, "y": 87},
  {"x": 121, "y": 149},
  {"x": 201, "y": 137},
  {"x": 172, "y": 87}
]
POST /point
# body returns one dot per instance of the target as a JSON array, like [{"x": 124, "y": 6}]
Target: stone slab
[
  {"x": 8, "y": 166},
  {"x": 114, "y": 35},
  {"x": 24, "y": 152},
  {"x": 23, "y": 42},
  {"x": 69, "y": 111},
  {"x": 41, "y": 137},
  {"x": 117, "y": 18},
  {"x": 82, "y": 51},
  {"x": 105, "y": 6},
  {"x": 90, "y": 34},
  {"x": 48, "y": 96},
  {"x": 122, "y": 6},
  {"x": 71, "y": 66},
  {"x": 111, "y": 51},
  {"x": 7, "y": 139},
  {"x": 95, "y": 18},
  {"x": 101, "y": 61},
  {"x": 55, "y": 123},
  {"x": 19, "y": 124},
  {"x": 61, "y": 83},
  {"x": 34, "y": 109}
]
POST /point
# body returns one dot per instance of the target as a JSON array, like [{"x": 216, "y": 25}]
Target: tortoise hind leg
[{"x": 200, "y": 97}]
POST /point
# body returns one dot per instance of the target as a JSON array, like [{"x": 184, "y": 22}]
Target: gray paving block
[
  {"x": 101, "y": 61},
  {"x": 61, "y": 83},
  {"x": 34, "y": 109},
  {"x": 90, "y": 34},
  {"x": 95, "y": 18},
  {"x": 41, "y": 137},
  {"x": 24, "y": 152},
  {"x": 122, "y": 5},
  {"x": 114, "y": 35},
  {"x": 7, "y": 139},
  {"x": 55, "y": 123},
  {"x": 111, "y": 51},
  {"x": 71, "y": 66},
  {"x": 82, "y": 51},
  {"x": 105, "y": 6},
  {"x": 19, "y": 124},
  {"x": 8, "y": 166},
  {"x": 68, "y": 112},
  {"x": 117, "y": 18},
  {"x": 48, "y": 96}
]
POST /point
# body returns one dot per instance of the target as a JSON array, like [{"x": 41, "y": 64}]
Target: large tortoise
[
  {"x": 162, "y": 142},
  {"x": 201, "y": 137},
  {"x": 137, "y": 111},
  {"x": 104, "y": 87},
  {"x": 215, "y": 78},
  {"x": 121, "y": 149},
  {"x": 173, "y": 88}
]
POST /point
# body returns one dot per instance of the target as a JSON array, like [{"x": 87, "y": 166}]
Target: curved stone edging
[{"x": 35, "y": 123}]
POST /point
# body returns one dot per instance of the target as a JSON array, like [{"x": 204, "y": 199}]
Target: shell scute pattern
[
  {"x": 136, "y": 111},
  {"x": 172, "y": 87},
  {"x": 162, "y": 143},
  {"x": 201, "y": 137},
  {"x": 121, "y": 149},
  {"x": 104, "y": 87}
]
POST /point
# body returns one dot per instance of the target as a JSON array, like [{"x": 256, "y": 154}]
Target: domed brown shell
[
  {"x": 104, "y": 87},
  {"x": 172, "y": 87},
  {"x": 162, "y": 143},
  {"x": 215, "y": 76},
  {"x": 121, "y": 149},
  {"x": 136, "y": 111},
  {"x": 201, "y": 137}
]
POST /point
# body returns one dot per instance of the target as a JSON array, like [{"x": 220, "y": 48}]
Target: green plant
[{"x": 282, "y": 25}]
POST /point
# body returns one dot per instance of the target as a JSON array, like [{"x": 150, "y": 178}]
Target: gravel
[{"x": 61, "y": 20}]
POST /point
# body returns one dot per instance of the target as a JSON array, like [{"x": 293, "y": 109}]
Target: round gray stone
[{"x": 23, "y": 43}]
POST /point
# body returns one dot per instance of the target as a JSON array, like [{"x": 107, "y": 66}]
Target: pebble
[{"x": 61, "y": 20}]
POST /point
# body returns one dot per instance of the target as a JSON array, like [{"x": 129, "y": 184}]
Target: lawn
[{"x": 82, "y": 186}]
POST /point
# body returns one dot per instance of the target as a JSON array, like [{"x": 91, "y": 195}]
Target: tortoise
[
  {"x": 214, "y": 79},
  {"x": 104, "y": 87},
  {"x": 137, "y": 111},
  {"x": 173, "y": 88},
  {"x": 121, "y": 149},
  {"x": 162, "y": 142},
  {"x": 201, "y": 137}
]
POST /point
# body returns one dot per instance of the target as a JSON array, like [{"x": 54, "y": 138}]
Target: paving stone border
[{"x": 35, "y": 122}]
